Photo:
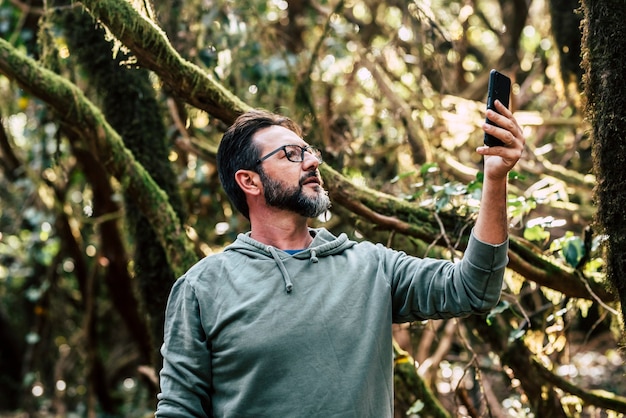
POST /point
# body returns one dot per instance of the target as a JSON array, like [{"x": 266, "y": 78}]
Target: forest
[{"x": 112, "y": 111}]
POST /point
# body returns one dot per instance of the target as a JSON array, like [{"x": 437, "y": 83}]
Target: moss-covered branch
[
  {"x": 599, "y": 398},
  {"x": 154, "y": 51},
  {"x": 538, "y": 382},
  {"x": 411, "y": 387},
  {"x": 84, "y": 118},
  {"x": 401, "y": 216},
  {"x": 532, "y": 265}
]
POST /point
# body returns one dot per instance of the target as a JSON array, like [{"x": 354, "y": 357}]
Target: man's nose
[{"x": 310, "y": 160}]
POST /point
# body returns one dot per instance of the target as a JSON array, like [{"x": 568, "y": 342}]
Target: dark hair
[{"x": 237, "y": 151}]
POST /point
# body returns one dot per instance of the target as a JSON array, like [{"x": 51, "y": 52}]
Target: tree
[
  {"x": 109, "y": 112},
  {"x": 606, "y": 110}
]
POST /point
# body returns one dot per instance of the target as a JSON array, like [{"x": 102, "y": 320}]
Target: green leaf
[
  {"x": 429, "y": 168},
  {"x": 573, "y": 250},
  {"x": 514, "y": 175},
  {"x": 516, "y": 334},
  {"x": 416, "y": 408},
  {"x": 536, "y": 233},
  {"x": 442, "y": 202},
  {"x": 498, "y": 309},
  {"x": 401, "y": 176},
  {"x": 455, "y": 189}
]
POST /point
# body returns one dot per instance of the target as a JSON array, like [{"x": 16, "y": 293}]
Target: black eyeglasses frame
[{"x": 310, "y": 149}]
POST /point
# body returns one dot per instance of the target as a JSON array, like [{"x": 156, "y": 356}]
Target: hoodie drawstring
[
  {"x": 283, "y": 270},
  {"x": 314, "y": 257}
]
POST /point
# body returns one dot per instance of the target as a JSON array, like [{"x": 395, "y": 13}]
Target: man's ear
[{"x": 249, "y": 181}]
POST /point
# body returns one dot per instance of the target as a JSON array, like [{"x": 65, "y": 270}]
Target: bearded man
[{"x": 293, "y": 321}]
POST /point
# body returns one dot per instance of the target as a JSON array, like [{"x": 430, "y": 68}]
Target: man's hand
[
  {"x": 492, "y": 222},
  {"x": 500, "y": 160}
]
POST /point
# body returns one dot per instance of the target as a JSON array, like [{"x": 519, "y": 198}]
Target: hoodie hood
[{"x": 324, "y": 244}]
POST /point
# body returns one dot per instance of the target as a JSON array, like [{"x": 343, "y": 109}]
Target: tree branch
[
  {"x": 597, "y": 398},
  {"x": 84, "y": 118},
  {"x": 154, "y": 51},
  {"x": 408, "y": 219}
]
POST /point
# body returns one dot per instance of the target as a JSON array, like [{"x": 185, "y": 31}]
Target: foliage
[{"x": 392, "y": 92}]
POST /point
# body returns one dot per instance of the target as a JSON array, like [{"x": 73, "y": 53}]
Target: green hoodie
[{"x": 257, "y": 332}]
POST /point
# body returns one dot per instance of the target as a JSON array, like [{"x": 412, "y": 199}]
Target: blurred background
[{"x": 393, "y": 92}]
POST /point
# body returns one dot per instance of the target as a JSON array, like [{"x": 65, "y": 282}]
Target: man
[{"x": 290, "y": 321}]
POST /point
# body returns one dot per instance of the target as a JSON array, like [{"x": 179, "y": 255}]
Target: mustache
[{"x": 310, "y": 174}]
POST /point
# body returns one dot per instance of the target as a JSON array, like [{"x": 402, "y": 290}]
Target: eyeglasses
[{"x": 294, "y": 153}]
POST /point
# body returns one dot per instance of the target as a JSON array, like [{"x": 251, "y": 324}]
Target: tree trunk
[
  {"x": 604, "y": 42},
  {"x": 131, "y": 108}
]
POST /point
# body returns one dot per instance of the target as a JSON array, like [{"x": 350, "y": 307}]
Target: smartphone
[{"x": 499, "y": 89}]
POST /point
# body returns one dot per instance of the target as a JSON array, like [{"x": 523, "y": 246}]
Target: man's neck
[{"x": 283, "y": 231}]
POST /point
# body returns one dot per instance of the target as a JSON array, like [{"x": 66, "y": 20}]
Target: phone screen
[{"x": 499, "y": 89}]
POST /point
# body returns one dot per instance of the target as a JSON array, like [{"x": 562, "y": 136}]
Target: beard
[{"x": 281, "y": 196}]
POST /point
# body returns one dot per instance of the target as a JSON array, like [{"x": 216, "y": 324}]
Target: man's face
[
  {"x": 280, "y": 195},
  {"x": 293, "y": 186}
]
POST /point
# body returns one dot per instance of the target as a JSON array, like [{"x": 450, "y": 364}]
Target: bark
[
  {"x": 292, "y": 35},
  {"x": 538, "y": 381},
  {"x": 117, "y": 277},
  {"x": 599, "y": 398},
  {"x": 8, "y": 159},
  {"x": 531, "y": 264},
  {"x": 514, "y": 15},
  {"x": 421, "y": 149},
  {"x": 545, "y": 400},
  {"x": 409, "y": 387},
  {"x": 129, "y": 104},
  {"x": 154, "y": 52},
  {"x": 604, "y": 41}
]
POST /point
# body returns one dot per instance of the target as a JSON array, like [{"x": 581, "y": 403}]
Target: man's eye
[{"x": 290, "y": 152}]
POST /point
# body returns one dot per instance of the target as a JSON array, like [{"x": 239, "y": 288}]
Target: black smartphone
[{"x": 499, "y": 89}]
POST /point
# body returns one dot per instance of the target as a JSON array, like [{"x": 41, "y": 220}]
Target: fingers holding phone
[
  {"x": 499, "y": 90},
  {"x": 503, "y": 135},
  {"x": 500, "y": 126}
]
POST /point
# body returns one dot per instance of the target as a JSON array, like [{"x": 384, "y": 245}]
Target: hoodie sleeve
[
  {"x": 433, "y": 289},
  {"x": 186, "y": 373}
]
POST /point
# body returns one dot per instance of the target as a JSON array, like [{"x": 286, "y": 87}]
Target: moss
[
  {"x": 604, "y": 42},
  {"x": 198, "y": 87},
  {"x": 130, "y": 106},
  {"x": 84, "y": 118}
]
